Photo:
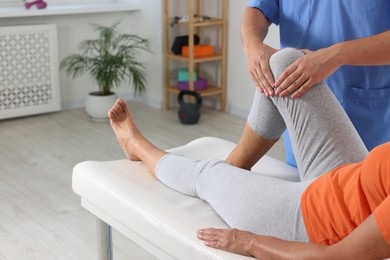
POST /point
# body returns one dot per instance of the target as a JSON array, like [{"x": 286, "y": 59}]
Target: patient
[{"x": 340, "y": 208}]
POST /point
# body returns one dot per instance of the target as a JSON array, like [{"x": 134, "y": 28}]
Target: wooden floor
[{"x": 40, "y": 217}]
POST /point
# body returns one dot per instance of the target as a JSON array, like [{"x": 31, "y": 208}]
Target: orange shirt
[{"x": 337, "y": 202}]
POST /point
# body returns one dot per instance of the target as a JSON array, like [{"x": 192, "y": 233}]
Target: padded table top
[{"x": 126, "y": 196}]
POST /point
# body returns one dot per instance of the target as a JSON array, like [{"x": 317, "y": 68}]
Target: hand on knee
[{"x": 281, "y": 59}]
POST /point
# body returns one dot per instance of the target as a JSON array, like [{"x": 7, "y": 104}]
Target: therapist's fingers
[
  {"x": 262, "y": 82},
  {"x": 258, "y": 85},
  {"x": 253, "y": 77},
  {"x": 267, "y": 87},
  {"x": 291, "y": 83},
  {"x": 268, "y": 77},
  {"x": 305, "y": 51},
  {"x": 305, "y": 87},
  {"x": 254, "y": 67},
  {"x": 293, "y": 68},
  {"x": 257, "y": 56}
]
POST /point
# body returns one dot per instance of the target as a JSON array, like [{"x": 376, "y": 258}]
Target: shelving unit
[{"x": 194, "y": 64}]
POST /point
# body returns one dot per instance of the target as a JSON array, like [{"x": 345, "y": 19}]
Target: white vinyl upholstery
[{"x": 127, "y": 197}]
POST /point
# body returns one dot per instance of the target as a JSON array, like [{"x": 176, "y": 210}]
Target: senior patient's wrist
[
  {"x": 259, "y": 246},
  {"x": 252, "y": 245}
]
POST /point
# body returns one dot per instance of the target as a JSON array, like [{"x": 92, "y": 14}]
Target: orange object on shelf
[{"x": 199, "y": 51}]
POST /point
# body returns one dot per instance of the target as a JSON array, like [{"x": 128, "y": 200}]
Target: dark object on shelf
[
  {"x": 189, "y": 113},
  {"x": 181, "y": 41},
  {"x": 175, "y": 20}
]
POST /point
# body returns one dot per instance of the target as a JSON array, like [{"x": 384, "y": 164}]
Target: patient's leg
[
  {"x": 262, "y": 130},
  {"x": 135, "y": 146},
  {"x": 249, "y": 149},
  {"x": 247, "y": 201},
  {"x": 321, "y": 133},
  {"x": 255, "y": 142}
]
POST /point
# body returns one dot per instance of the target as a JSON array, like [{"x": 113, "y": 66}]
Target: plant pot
[{"x": 97, "y": 105}]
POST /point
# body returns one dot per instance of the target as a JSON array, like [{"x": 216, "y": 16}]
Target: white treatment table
[{"x": 125, "y": 196}]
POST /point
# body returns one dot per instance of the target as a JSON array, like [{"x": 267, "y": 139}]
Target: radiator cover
[{"x": 29, "y": 81}]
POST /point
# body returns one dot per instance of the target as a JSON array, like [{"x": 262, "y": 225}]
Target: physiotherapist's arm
[
  {"x": 374, "y": 50},
  {"x": 318, "y": 65},
  {"x": 365, "y": 242},
  {"x": 254, "y": 28}
]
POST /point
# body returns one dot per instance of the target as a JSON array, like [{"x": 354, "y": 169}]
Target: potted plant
[{"x": 109, "y": 59}]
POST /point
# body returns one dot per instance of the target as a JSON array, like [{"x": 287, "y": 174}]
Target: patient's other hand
[{"x": 231, "y": 240}]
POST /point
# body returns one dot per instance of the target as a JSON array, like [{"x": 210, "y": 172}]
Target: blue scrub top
[{"x": 363, "y": 91}]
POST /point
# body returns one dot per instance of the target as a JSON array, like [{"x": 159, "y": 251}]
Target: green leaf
[{"x": 110, "y": 59}]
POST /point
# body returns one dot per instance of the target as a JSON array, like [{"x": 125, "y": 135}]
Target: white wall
[
  {"x": 240, "y": 88},
  {"x": 72, "y": 29}
]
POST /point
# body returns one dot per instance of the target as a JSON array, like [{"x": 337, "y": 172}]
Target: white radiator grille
[{"x": 28, "y": 70}]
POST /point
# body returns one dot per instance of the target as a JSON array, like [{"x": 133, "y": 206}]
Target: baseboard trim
[{"x": 155, "y": 103}]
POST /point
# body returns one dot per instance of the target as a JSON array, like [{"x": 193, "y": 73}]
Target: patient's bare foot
[{"x": 125, "y": 129}]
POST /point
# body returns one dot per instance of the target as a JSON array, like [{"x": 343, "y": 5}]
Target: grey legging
[{"x": 322, "y": 137}]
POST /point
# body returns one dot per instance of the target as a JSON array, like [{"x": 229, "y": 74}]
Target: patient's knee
[{"x": 280, "y": 60}]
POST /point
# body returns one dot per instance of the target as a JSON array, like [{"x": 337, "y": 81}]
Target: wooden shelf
[
  {"x": 194, "y": 64},
  {"x": 217, "y": 56},
  {"x": 209, "y": 91},
  {"x": 208, "y": 22}
]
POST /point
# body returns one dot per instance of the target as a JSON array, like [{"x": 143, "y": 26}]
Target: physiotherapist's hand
[
  {"x": 231, "y": 240},
  {"x": 257, "y": 57},
  {"x": 305, "y": 72}
]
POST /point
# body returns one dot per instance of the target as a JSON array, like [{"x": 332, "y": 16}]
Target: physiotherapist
[{"x": 346, "y": 42}]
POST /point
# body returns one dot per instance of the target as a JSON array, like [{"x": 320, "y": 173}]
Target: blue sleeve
[{"x": 270, "y": 9}]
